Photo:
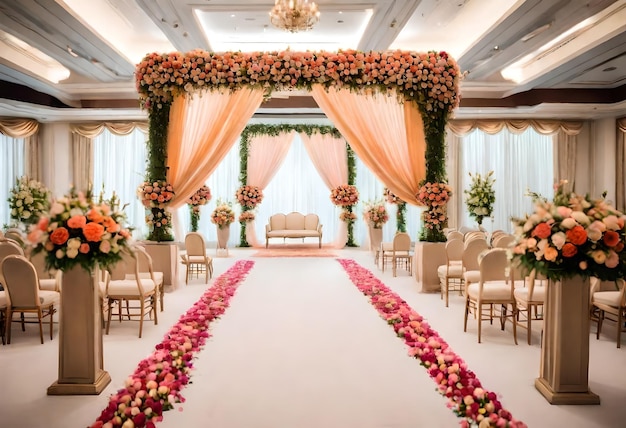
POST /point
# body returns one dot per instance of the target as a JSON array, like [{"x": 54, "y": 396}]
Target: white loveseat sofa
[{"x": 293, "y": 225}]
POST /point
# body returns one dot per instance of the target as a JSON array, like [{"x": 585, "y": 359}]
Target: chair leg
[
  {"x": 528, "y": 322},
  {"x": 187, "y": 274},
  {"x": 156, "y": 321},
  {"x": 619, "y": 326},
  {"x": 480, "y": 320},
  {"x": 466, "y": 313},
  {"x": 109, "y": 316},
  {"x": 51, "y": 316},
  {"x": 514, "y": 309},
  {"x": 141, "y": 315},
  {"x": 8, "y": 326},
  {"x": 161, "y": 294},
  {"x": 447, "y": 291},
  {"x": 600, "y": 319},
  {"x": 39, "y": 314}
]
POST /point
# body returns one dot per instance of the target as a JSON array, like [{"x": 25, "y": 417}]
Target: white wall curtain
[
  {"x": 119, "y": 163},
  {"x": 12, "y": 158},
  {"x": 520, "y": 162}
]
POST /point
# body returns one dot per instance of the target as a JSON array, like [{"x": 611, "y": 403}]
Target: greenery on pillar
[
  {"x": 435, "y": 131},
  {"x": 156, "y": 170},
  {"x": 401, "y": 217},
  {"x": 351, "y": 181},
  {"x": 244, "y": 146}
]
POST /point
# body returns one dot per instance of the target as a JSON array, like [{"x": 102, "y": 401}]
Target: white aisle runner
[{"x": 301, "y": 347}]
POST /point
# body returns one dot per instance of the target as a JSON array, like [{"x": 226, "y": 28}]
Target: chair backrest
[
  {"x": 16, "y": 236},
  {"x": 311, "y": 221},
  {"x": 294, "y": 221},
  {"x": 39, "y": 261},
  {"x": 454, "y": 250},
  {"x": 534, "y": 279},
  {"x": 8, "y": 247},
  {"x": 21, "y": 281},
  {"x": 471, "y": 236},
  {"x": 194, "y": 244},
  {"x": 402, "y": 242},
  {"x": 144, "y": 260},
  {"x": 494, "y": 265},
  {"x": 471, "y": 251},
  {"x": 125, "y": 266},
  {"x": 503, "y": 241},
  {"x": 455, "y": 234},
  {"x": 278, "y": 221}
]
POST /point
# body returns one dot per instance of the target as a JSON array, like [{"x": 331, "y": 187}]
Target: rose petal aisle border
[
  {"x": 157, "y": 382},
  {"x": 466, "y": 397}
]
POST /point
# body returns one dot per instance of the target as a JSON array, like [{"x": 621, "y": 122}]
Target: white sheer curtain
[
  {"x": 223, "y": 184},
  {"x": 120, "y": 164},
  {"x": 12, "y": 158},
  {"x": 520, "y": 162}
]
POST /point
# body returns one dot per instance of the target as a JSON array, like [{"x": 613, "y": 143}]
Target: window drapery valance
[
  {"x": 19, "y": 128},
  {"x": 92, "y": 130},
  {"x": 516, "y": 126}
]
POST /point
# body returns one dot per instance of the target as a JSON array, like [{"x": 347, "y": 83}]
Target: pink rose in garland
[
  {"x": 249, "y": 196},
  {"x": 344, "y": 195},
  {"x": 156, "y": 194},
  {"x": 435, "y": 196}
]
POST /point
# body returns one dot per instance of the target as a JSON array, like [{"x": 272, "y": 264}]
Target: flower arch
[{"x": 425, "y": 85}]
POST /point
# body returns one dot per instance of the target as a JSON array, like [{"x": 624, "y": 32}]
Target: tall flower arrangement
[
  {"x": 346, "y": 196},
  {"x": 201, "y": 197},
  {"x": 572, "y": 235},
  {"x": 434, "y": 196},
  {"x": 155, "y": 196},
  {"x": 400, "y": 209},
  {"x": 375, "y": 214},
  {"x": 249, "y": 196},
  {"x": 28, "y": 200},
  {"x": 480, "y": 197},
  {"x": 78, "y": 231},
  {"x": 223, "y": 214}
]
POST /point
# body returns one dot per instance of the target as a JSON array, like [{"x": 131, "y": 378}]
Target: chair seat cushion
[
  {"x": 49, "y": 284},
  {"x": 198, "y": 259},
  {"x": 492, "y": 290},
  {"x": 47, "y": 297},
  {"x": 386, "y": 246},
  {"x": 295, "y": 233},
  {"x": 455, "y": 271},
  {"x": 609, "y": 298},
  {"x": 471, "y": 276},
  {"x": 128, "y": 287},
  {"x": 158, "y": 276},
  {"x": 521, "y": 293}
]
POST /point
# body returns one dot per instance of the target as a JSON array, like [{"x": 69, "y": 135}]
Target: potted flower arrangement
[
  {"x": 375, "y": 214},
  {"x": 201, "y": 197},
  {"x": 569, "y": 240},
  {"x": 28, "y": 200},
  {"x": 346, "y": 196},
  {"x": 401, "y": 209},
  {"x": 480, "y": 197},
  {"x": 222, "y": 216},
  {"x": 77, "y": 231},
  {"x": 80, "y": 236},
  {"x": 434, "y": 196},
  {"x": 155, "y": 196}
]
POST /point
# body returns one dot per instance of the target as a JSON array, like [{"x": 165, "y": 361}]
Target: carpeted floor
[{"x": 300, "y": 346}]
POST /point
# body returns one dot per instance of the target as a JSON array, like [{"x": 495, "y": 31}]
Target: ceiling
[{"x": 520, "y": 58}]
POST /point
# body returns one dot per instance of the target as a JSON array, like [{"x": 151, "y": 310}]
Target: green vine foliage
[
  {"x": 252, "y": 131},
  {"x": 156, "y": 165},
  {"x": 351, "y": 181},
  {"x": 195, "y": 217},
  {"x": 401, "y": 217}
]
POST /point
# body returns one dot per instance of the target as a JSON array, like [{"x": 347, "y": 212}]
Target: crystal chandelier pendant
[{"x": 294, "y": 15}]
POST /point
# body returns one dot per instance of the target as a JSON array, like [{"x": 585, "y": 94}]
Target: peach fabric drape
[
  {"x": 92, "y": 130},
  {"x": 265, "y": 155},
  {"x": 387, "y": 136},
  {"x": 19, "y": 128},
  {"x": 203, "y": 127},
  {"x": 330, "y": 158},
  {"x": 82, "y": 161},
  {"x": 516, "y": 126}
]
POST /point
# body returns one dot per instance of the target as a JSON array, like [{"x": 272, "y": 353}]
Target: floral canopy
[{"x": 392, "y": 108}]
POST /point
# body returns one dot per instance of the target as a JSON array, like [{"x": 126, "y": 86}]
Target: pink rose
[{"x": 84, "y": 248}]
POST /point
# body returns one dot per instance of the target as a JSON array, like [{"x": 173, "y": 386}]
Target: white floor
[{"x": 301, "y": 347}]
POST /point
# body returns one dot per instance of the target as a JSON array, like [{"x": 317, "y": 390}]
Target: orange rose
[
  {"x": 569, "y": 250},
  {"x": 611, "y": 238},
  {"x": 94, "y": 215},
  {"x": 77, "y": 221},
  {"x": 93, "y": 231},
  {"x": 577, "y": 235},
  {"x": 59, "y": 236},
  {"x": 542, "y": 231}
]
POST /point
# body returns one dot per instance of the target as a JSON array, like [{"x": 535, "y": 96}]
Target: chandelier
[{"x": 294, "y": 15}]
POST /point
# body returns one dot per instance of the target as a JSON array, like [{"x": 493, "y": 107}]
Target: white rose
[
  {"x": 18, "y": 203},
  {"x": 26, "y": 214},
  {"x": 72, "y": 253},
  {"x": 59, "y": 254},
  {"x": 558, "y": 239},
  {"x": 56, "y": 209},
  {"x": 568, "y": 223},
  {"x": 73, "y": 243},
  {"x": 611, "y": 222},
  {"x": 28, "y": 200},
  {"x": 580, "y": 217},
  {"x": 13, "y": 212},
  {"x": 76, "y": 211}
]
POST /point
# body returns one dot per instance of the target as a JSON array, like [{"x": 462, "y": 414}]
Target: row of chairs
[{"x": 397, "y": 252}]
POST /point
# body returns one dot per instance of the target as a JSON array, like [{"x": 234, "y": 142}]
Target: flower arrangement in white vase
[{"x": 480, "y": 197}]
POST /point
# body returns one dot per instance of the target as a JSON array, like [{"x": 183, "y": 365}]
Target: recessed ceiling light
[
  {"x": 232, "y": 16},
  {"x": 610, "y": 69},
  {"x": 340, "y": 21}
]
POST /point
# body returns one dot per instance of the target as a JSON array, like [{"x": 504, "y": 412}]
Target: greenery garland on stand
[
  {"x": 352, "y": 182},
  {"x": 252, "y": 131},
  {"x": 156, "y": 170},
  {"x": 401, "y": 217}
]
